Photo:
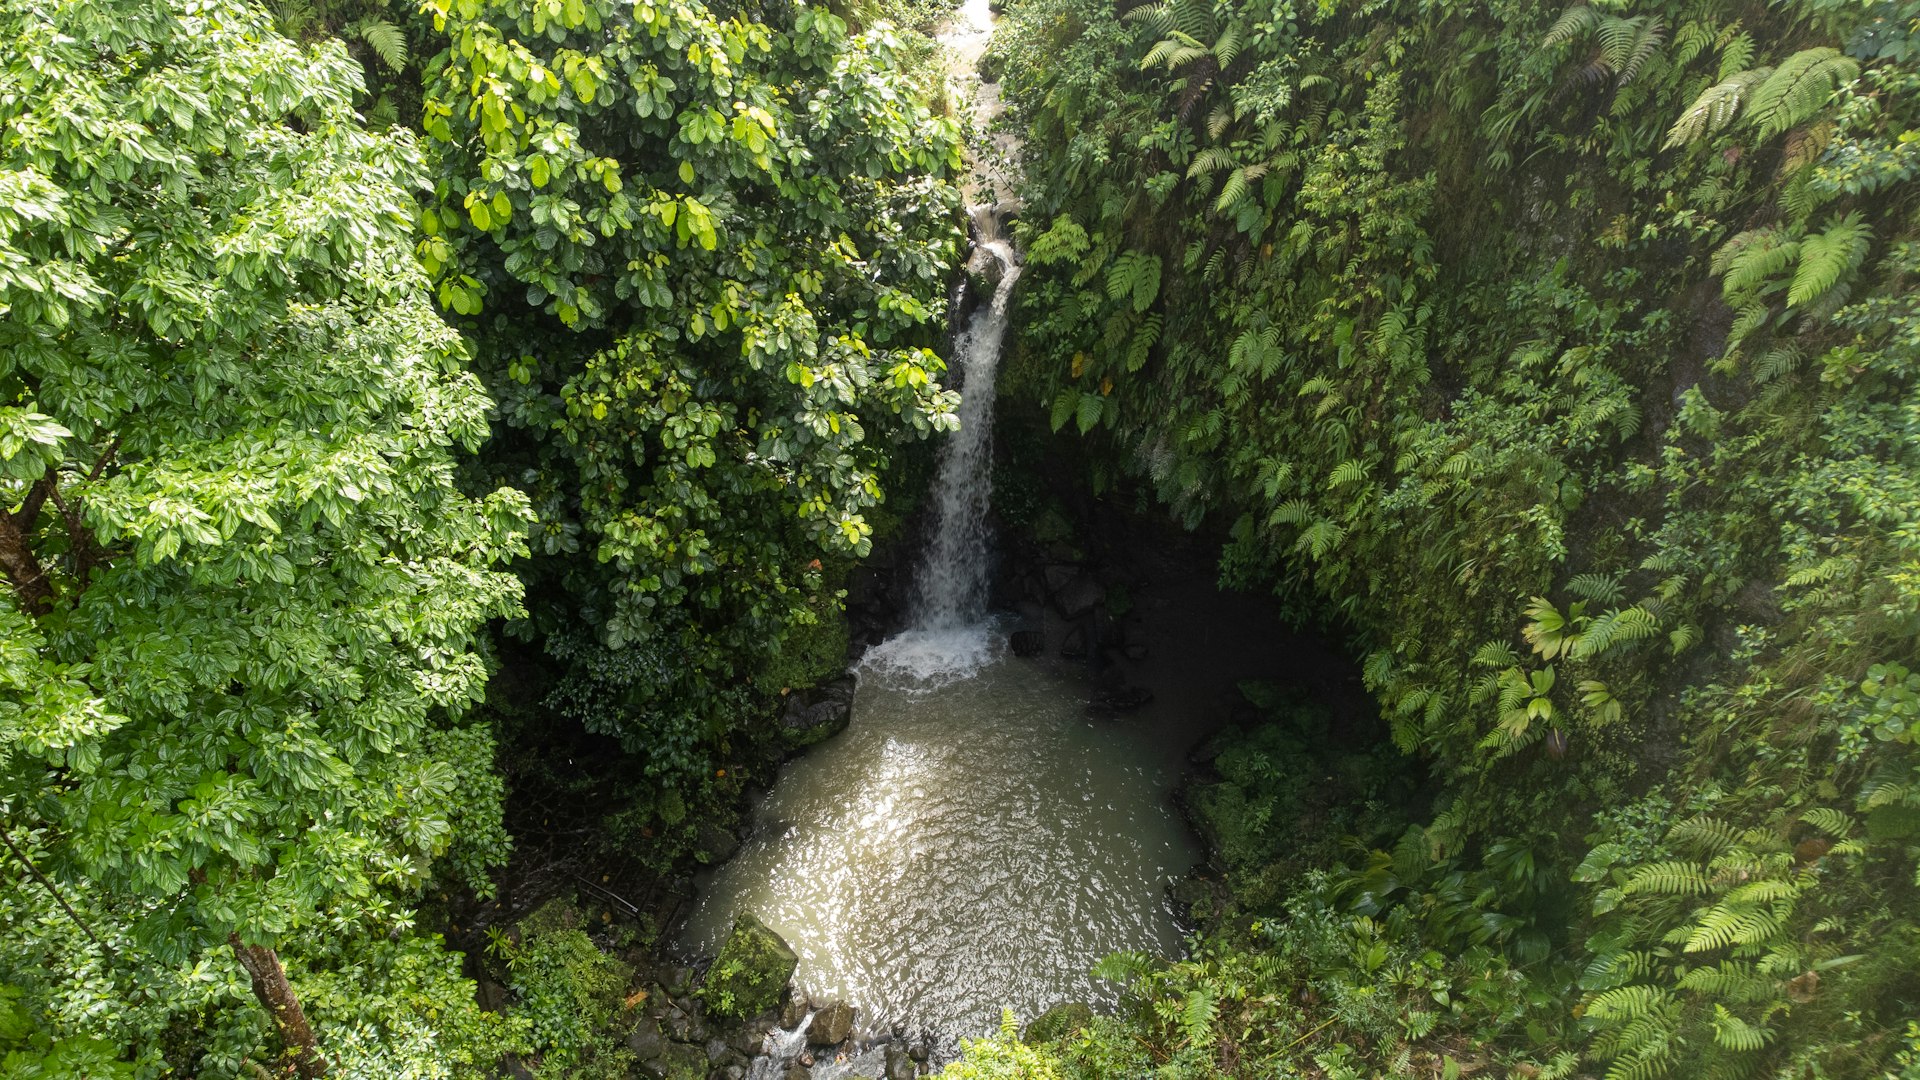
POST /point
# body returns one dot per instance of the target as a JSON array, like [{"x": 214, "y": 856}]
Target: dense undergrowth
[{"x": 1566, "y": 356}]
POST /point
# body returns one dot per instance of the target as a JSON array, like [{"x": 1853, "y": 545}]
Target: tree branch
[
  {"x": 34, "y": 872},
  {"x": 275, "y": 994}
]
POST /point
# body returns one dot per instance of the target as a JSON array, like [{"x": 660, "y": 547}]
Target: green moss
[{"x": 752, "y": 969}]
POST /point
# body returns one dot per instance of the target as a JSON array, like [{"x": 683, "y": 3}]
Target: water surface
[{"x": 967, "y": 844}]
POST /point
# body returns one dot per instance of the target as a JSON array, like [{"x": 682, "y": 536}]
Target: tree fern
[
  {"x": 1798, "y": 88},
  {"x": 1702, "y": 835},
  {"x": 1828, "y": 257},
  {"x": 387, "y": 41},
  {"x": 1347, "y": 472},
  {"x": 1716, "y": 107},
  {"x": 1753, "y": 258},
  {"x": 1835, "y": 823},
  {"x": 1615, "y": 627},
  {"x": 1670, "y": 878},
  {"x": 1572, "y": 23},
  {"x": 1736, "y": 1034}
]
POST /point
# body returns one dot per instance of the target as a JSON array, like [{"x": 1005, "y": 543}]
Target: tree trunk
[
  {"x": 17, "y": 560},
  {"x": 270, "y": 985}
]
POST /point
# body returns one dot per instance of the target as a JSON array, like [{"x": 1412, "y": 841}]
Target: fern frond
[
  {"x": 1572, "y": 23},
  {"x": 1835, "y": 823},
  {"x": 1799, "y": 87},
  {"x": 1715, "y": 108},
  {"x": 1702, "y": 835},
  {"x": 387, "y": 41},
  {"x": 1671, "y": 878},
  {"x": 1827, "y": 257},
  {"x": 1761, "y": 258},
  {"x": 1599, "y": 588},
  {"x": 1736, "y": 1034},
  {"x": 1736, "y": 55}
]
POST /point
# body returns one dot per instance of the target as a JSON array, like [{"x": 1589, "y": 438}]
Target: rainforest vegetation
[{"x": 394, "y": 393}]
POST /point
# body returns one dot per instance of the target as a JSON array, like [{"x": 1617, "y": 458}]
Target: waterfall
[
  {"x": 951, "y": 585},
  {"x": 948, "y": 639}
]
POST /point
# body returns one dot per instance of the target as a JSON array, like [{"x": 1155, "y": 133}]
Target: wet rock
[
  {"x": 831, "y": 1025},
  {"x": 684, "y": 1025},
  {"x": 1080, "y": 597},
  {"x": 797, "y": 1072},
  {"x": 899, "y": 1065},
  {"x": 678, "y": 980},
  {"x": 1058, "y": 577},
  {"x": 735, "y": 1071},
  {"x": 751, "y": 972},
  {"x": 920, "y": 1051},
  {"x": 717, "y": 1051},
  {"x": 1027, "y": 643},
  {"x": 646, "y": 1040},
  {"x": 825, "y": 712},
  {"x": 679, "y": 1062},
  {"x": 794, "y": 1011},
  {"x": 1123, "y": 699},
  {"x": 748, "y": 1038},
  {"x": 1075, "y": 645},
  {"x": 716, "y": 844},
  {"x": 1060, "y": 1021}
]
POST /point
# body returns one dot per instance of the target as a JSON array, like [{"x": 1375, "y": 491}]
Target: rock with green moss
[
  {"x": 681, "y": 1061},
  {"x": 752, "y": 969},
  {"x": 1058, "y": 1022}
]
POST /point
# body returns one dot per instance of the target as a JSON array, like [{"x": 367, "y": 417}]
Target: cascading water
[
  {"x": 951, "y": 589},
  {"x": 949, "y": 638}
]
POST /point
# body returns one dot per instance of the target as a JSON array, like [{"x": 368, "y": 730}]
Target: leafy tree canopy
[
  {"x": 702, "y": 253},
  {"x": 243, "y": 587}
]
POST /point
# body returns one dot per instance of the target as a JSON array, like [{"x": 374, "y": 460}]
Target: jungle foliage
[
  {"x": 252, "y": 563},
  {"x": 1566, "y": 356},
  {"x": 701, "y": 257}
]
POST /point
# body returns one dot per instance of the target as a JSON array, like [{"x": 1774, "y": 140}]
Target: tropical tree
[
  {"x": 242, "y": 587},
  {"x": 702, "y": 257}
]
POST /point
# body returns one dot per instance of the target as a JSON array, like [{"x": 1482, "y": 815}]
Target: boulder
[
  {"x": 679, "y": 1062},
  {"x": 1122, "y": 699},
  {"x": 1059, "y": 576},
  {"x": 683, "y": 1025},
  {"x": 831, "y": 1025},
  {"x": 899, "y": 1065},
  {"x": 1058, "y": 1022},
  {"x": 717, "y": 1051},
  {"x": 716, "y": 845},
  {"x": 797, "y": 1072},
  {"x": 646, "y": 1040},
  {"x": 1074, "y": 647},
  {"x": 1027, "y": 643},
  {"x": 1081, "y": 596},
  {"x": 825, "y": 712},
  {"x": 752, "y": 970},
  {"x": 794, "y": 1011}
]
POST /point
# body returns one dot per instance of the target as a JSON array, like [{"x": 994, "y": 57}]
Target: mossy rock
[
  {"x": 682, "y": 1061},
  {"x": 1058, "y": 1022},
  {"x": 752, "y": 969}
]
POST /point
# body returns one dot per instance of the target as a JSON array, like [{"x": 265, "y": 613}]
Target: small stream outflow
[{"x": 951, "y": 586}]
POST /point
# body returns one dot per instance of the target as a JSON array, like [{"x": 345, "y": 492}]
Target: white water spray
[
  {"x": 951, "y": 589},
  {"x": 949, "y": 638}
]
